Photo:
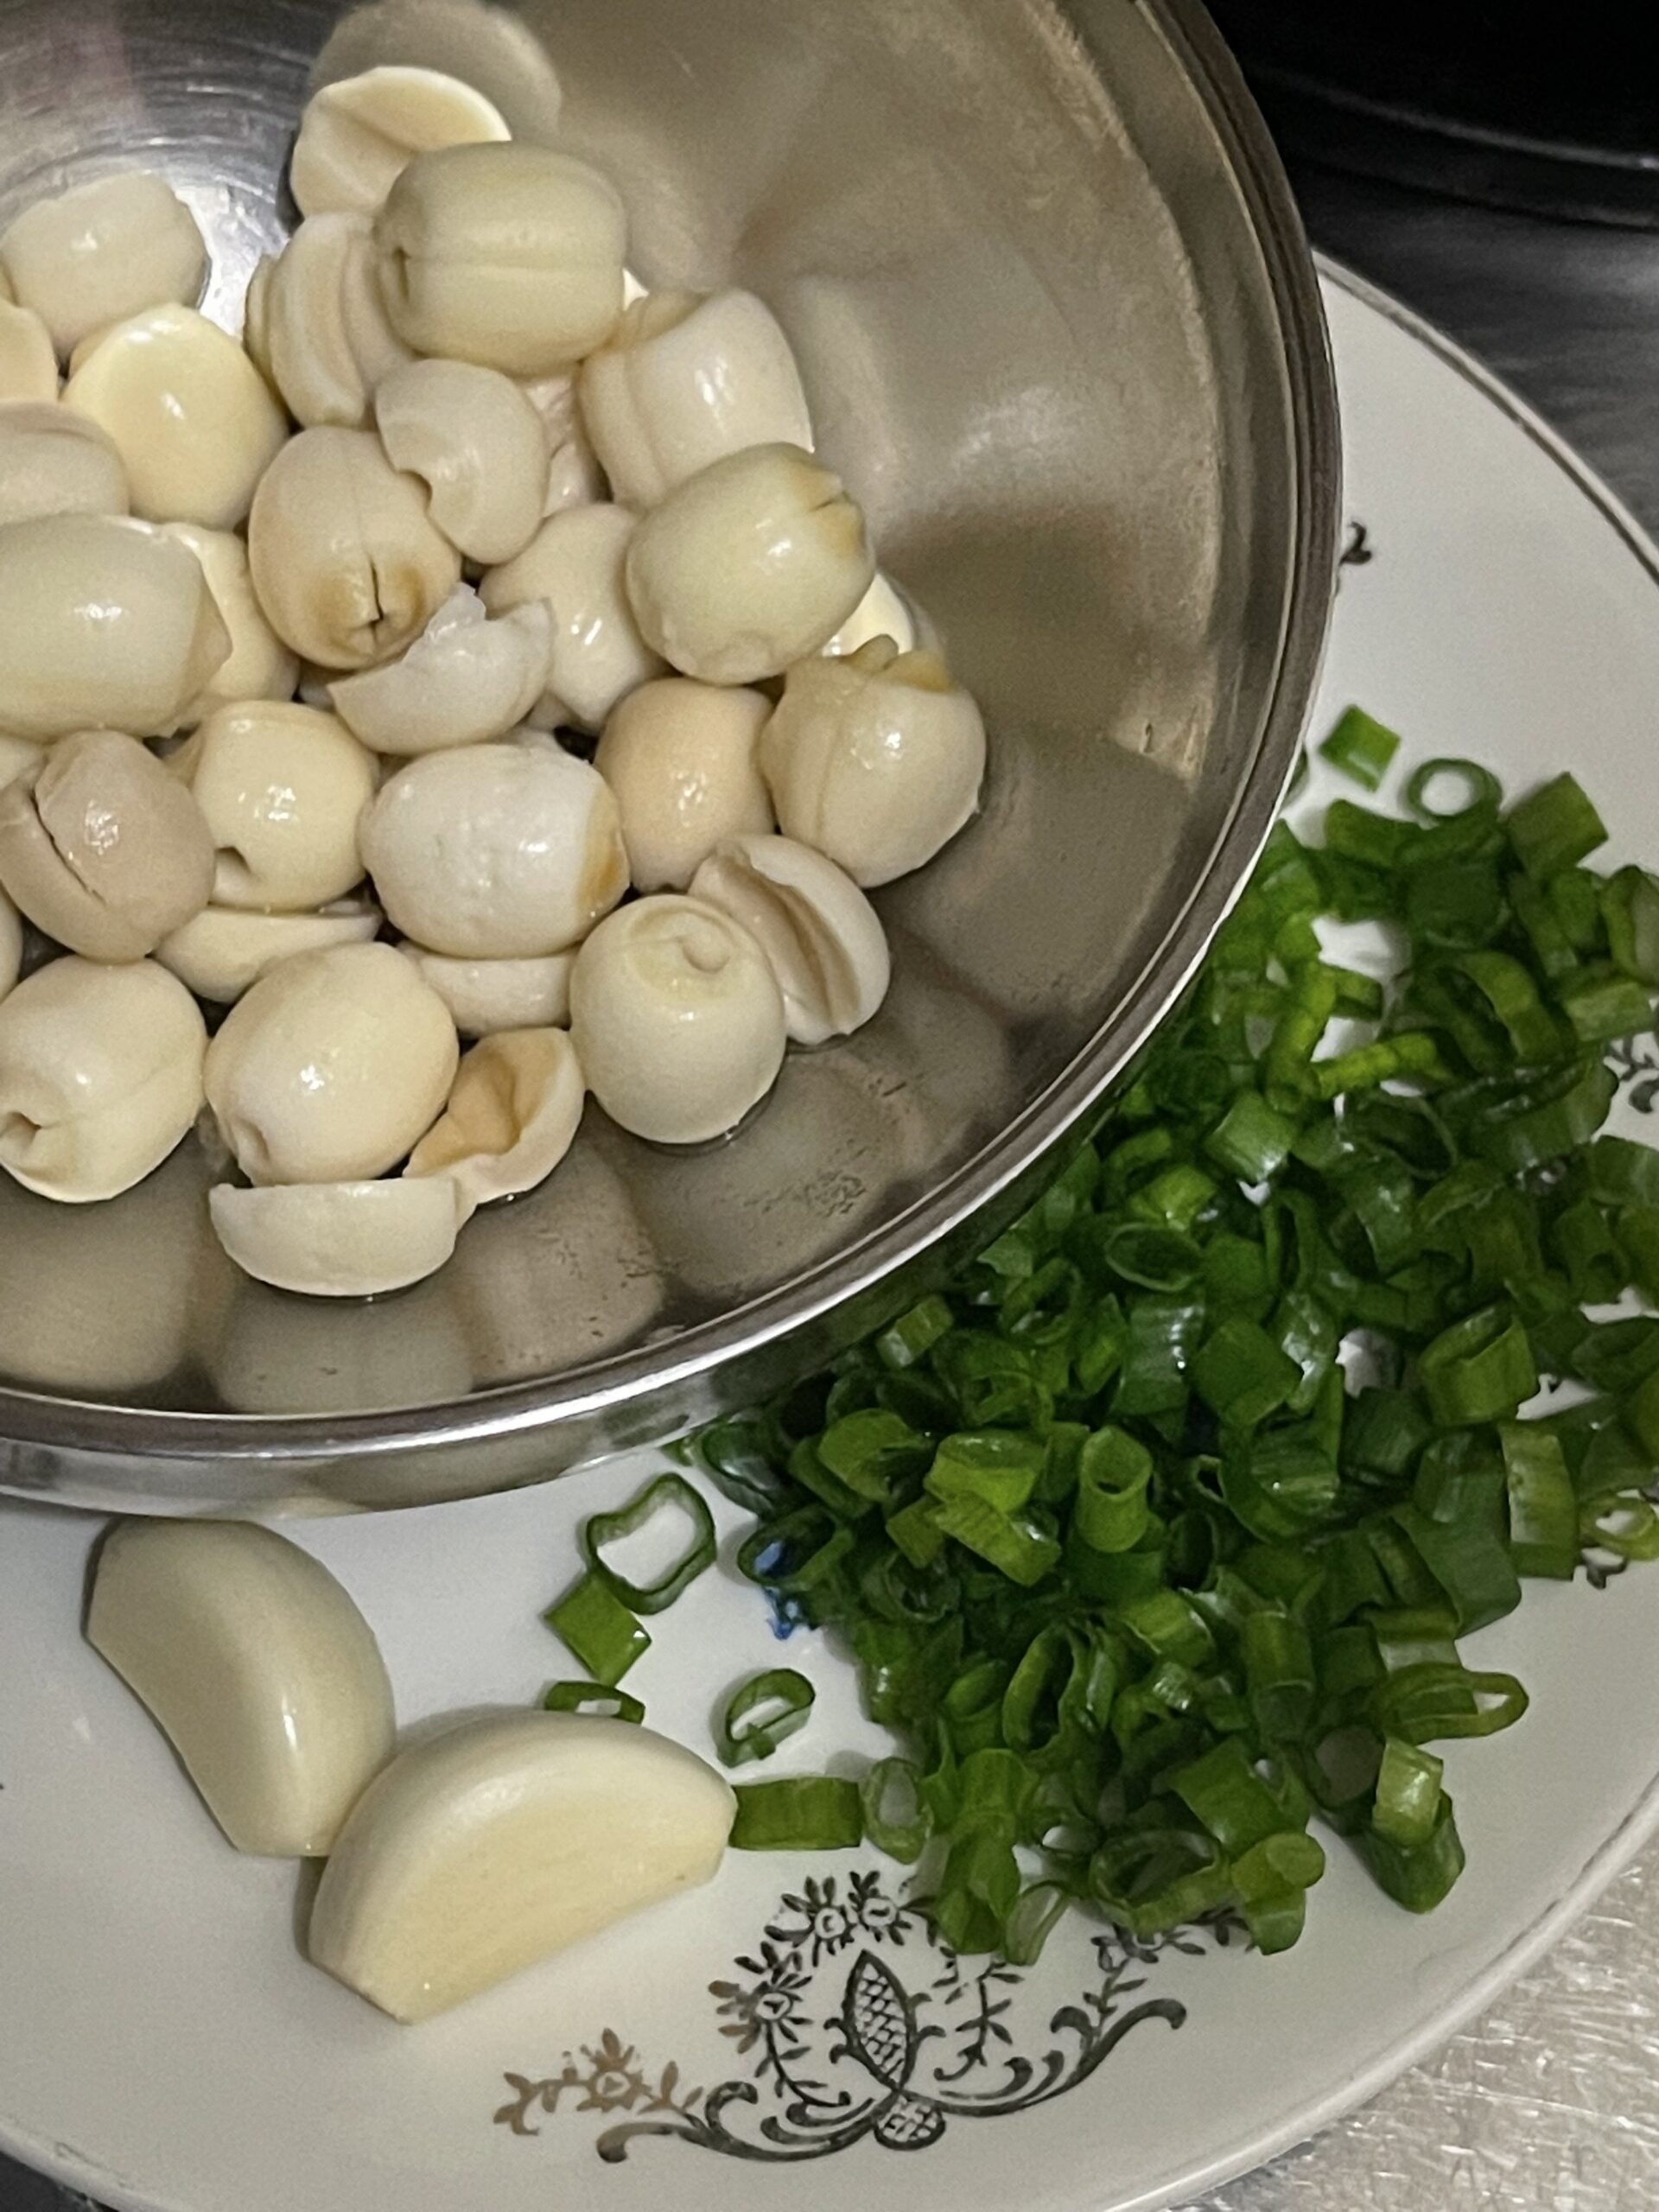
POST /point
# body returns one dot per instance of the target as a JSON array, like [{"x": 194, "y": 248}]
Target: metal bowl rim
[{"x": 30, "y": 1418}]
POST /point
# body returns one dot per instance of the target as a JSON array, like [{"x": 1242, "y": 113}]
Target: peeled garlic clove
[
  {"x": 884, "y": 611},
  {"x": 464, "y": 680},
  {"x": 486, "y": 996},
  {"x": 748, "y": 566},
  {"x": 348, "y": 567},
  {"x": 339, "y": 1240},
  {"x": 576, "y": 561},
  {"x": 100, "y": 1076},
  {"x": 323, "y": 335},
  {"x": 223, "y": 952},
  {"x": 281, "y": 787},
  {"x": 502, "y": 1841},
  {"x": 53, "y": 462},
  {"x": 332, "y": 1068},
  {"x": 190, "y": 414},
  {"x": 684, "y": 380},
  {"x": 29, "y": 367},
  {"x": 102, "y": 849},
  {"x": 358, "y": 136},
  {"x": 541, "y": 858},
  {"x": 876, "y": 760},
  {"x": 11, "y": 945},
  {"x": 512, "y": 1116},
  {"x": 93, "y": 256},
  {"x": 104, "y": 625},
  {"x": 574, "y": 478},
  {"x": 680, "y": 759},
  {"x": 476, "y": 442},
  {"x": 823, "y": 938},
  {"x": 260, "y": 665},
  {"x": 508, "y": 256},
  {"x": 677, "y": 1020},
  {"x": 258, "y": 1667}
]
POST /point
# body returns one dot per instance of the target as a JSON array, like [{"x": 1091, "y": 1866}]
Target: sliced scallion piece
[
  {"x": 1360, "y": 748},
  {"x": 816, "y": 1812},
  {"x": 763, "y": 1713},
  {"x": 664, "y": 1496}
]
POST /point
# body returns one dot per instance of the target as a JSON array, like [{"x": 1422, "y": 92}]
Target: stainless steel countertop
[{"x": 1551, "y": 2102}]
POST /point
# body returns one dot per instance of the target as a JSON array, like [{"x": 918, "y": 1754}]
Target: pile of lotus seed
[{"x": 299, "y": 723}]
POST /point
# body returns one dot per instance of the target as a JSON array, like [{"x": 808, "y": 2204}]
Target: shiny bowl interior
[{"x": 1061, "y": 335}]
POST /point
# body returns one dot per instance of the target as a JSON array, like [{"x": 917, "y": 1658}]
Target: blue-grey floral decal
[{"x": 917, "y": 2037}]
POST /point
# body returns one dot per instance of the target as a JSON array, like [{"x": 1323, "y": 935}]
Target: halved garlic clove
[
  {"x": 29, "y": 367},
  {"x": 358, "y": 136},
  {"x": 323, "y": 337},
  {"x": 677, "y": 1018},
  {"x": 680, "y": 760},
  {"x": 541, "y": 858},
  {"x": 486, "y": 996},
  {"x": 348, "y": 566},
  {"x": 258, "y": 1667},
  {"x": 577, "y": 563},
  {"x": 339, "y": 1240},
  {"x": 574, "y": 478},
  {"x": 685, "y": 379},
  {"x": 824, "y": 939},
  {"x": 332, "y": 1068},
  {"x": 477, "y": 444},
  {"x": 260, "y": 665},
  {"x": 512, "y": 1115},
  {"x": 464, "y": 680},
  {"x": 55, "y": 462},
  {"x": 191, "y": 416},
  {"x": 224, "y": 951},
  {"x": 104, "y": 625},
  {"x": 100, "y": 1076},
  {"x": 102, "y": 849},
  {"x": 502, "y": 1841},
  {"x": 93, "y": 256},
  {"x": 749, "y": 565},
  {"x": 11, "y": 945},
  {"x": 884, "y": 611},
  {"x": 876, "y": 760},
  {"x": 282, "y": 788},
  {"x": 508, "y": 256}
]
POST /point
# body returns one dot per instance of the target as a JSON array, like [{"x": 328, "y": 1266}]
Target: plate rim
[
  {"x": 1641, "y": 1823},
  {"x": 1271, "y": 2136}
]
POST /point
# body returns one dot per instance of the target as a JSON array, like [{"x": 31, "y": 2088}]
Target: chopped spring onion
[
  {"x": 664, "y": 1495},
  {"x": 608, "y": 1703},
  {"x": 805, "y": 1813},
  {"x": 598, "y": 1628},
  {"x": 1360, "y": 748},
  {"x": 1155, "y": 1537},
  {"x": 1553, "y": 828},
  {"x": 763, "y": 1713}
]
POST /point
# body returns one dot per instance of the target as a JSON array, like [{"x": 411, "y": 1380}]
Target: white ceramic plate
[{"x": 164, "y": 2045}]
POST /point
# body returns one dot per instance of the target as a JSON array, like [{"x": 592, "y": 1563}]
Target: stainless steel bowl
[{"x": 1062, "y": 335}]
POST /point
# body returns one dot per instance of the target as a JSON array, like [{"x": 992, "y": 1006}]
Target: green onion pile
[{"x": 1154, "y": 1539}]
